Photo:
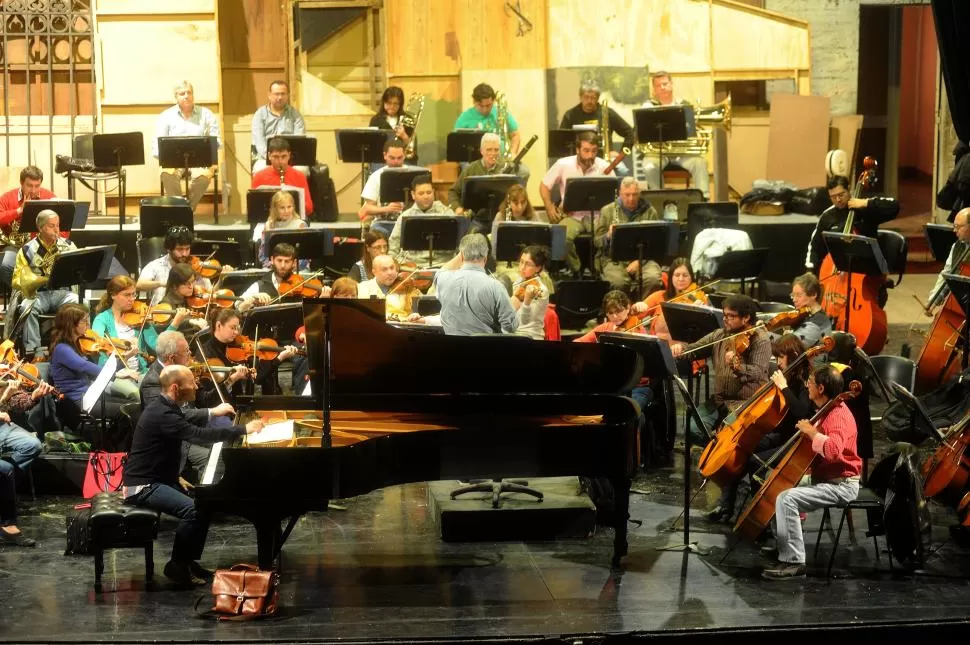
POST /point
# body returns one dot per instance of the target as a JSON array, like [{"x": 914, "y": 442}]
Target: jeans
[
  {"x": 615, "y": 273},
  {"x": 787, "y": 523},
  {"x": 711, "y": 414},
  {"x": 193, "y": 526},
  {"x": 44, "y": 302},
  {"x": 21, "y": 448}
]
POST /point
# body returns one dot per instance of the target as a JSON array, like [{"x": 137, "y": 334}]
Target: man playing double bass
[{"x": 835, "y": 474}]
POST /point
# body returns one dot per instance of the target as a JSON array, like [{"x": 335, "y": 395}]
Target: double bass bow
[{"x": 796, "y": 457}]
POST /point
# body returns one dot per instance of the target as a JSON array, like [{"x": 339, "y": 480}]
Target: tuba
[
  {"x": 410, "y": 118},
  {"x": 717, "y": 115},
  {"x": 605, "y": 130}
]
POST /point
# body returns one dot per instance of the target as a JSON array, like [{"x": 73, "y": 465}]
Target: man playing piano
[{"x": 152, "y": 470}]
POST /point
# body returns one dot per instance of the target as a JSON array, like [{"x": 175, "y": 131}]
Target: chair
[
  {"x": 584, "y": 243},
  {"x": 893, "y": 369},
  {"x": 894, "y": 248},
  {"x": 579, "y": 300},
  {"x": 148, "y": 249},
  {"x": 873, "y": 506}
]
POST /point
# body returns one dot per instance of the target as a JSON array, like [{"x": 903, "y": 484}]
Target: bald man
[
  {"x": 939, "y": 292},
  {"x": 152, "y": 471}
]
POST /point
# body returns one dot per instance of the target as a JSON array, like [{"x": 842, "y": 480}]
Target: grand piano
[{"x": 393, "y": 406}]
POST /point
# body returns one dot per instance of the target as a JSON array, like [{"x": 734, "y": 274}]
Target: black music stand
[
  {"x": 238, "y": 281},
  {"x": 431, "y": 232},
  {"x": 659, "y": 364},
  {"x": 485, "y": 193},
  {"x": 741, "y": 265},
  {"x": 919, "y": 419},
  {"x": 303, "y": 149},
  {"x": 661, "y": 124},
  {"x": 940, "y": 238},
  {"x": 690, "y": 323},
  {"x": 856, "y": 254},
  {"x": 154, "y": 220},
  {"x": 562, "y": 143},
  {"x": 396, "y": 182},
  {"x": 644, "y": 240},
  {"x": 311, "y": 243},
  {"x": 227, "y": 252},
  {"x": 81, "y": 266},
  {"x": 274, "y": 321},
  {"x": 960, "y": 289},
  {"x": 589, "y": 193},
  {"x": 257, "y": 204},
  {"x": 116, "y": 151},
  {"x": 464, "y": 146},
  {"x": 509, "y": 238},
  {"x": 190, "y": 152},
  {"x": 63, "y": 207},
  {"x": 363, "y": 146}
]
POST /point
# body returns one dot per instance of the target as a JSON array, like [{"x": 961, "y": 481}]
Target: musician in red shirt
[
  {"x": 835, "y": 474},
  {"x": 12, "y": 201},
  {"x": 278, "y": 155}
]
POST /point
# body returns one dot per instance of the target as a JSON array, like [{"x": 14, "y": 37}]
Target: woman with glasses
[
  {"x": 375, "y": 243},
  {"x": 806, "y": 291},
  {"x": 530, "y": 297}
]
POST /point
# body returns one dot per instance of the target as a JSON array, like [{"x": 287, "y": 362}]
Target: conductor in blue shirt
[{"x": 473, "y": 302}]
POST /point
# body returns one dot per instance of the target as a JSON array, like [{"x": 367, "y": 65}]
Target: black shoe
[
  {"x": 181, "y": 574},
  {"x": 784, "y": 571},
  {"x": 770, "y": 552},
  {"x": 718, "y": 514},
  {"x": 201, "y": 572},
  {"x": 16, "y": 539}
]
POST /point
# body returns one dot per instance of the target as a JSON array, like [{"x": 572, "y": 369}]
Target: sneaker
[
  {"x": 181, "y": 574},
  {"x": 784, "y": 571},
  {"x": 770, "y": 552}
]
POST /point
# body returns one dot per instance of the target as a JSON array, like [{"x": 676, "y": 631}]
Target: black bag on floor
[
  {"x": 600, "y": 490},
  {"x": 78, "y": 533},
  {"x": 945, "y": 405}
]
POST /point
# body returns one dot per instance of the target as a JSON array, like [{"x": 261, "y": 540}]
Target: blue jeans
[
  {"x": 193, "y": 526},
  {"x": 21, "y": 448},
  {"x": 710, "y": 414},
  {"x": 789, "y": 503}
]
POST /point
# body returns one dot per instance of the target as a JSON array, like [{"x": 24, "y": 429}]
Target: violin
[
  {"x": 160, "y": 314},
  {"x": 266, "y": 349},
  {"x": 519, "y": 288},
  {"x": 215, "y": 369},
  {"x": 92, "y": 343},
  {"x": 27, "y": 373},
  {"x": 416, "y": 278},
  {"x": 208, "y": 268},
  {"x": 221, "y": 299},
  {"x": 300, "y": 287}
]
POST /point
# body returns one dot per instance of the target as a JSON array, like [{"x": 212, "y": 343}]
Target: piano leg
[
  {"x": 269, "y": 541},
  {"x": 621, "y": 492}
]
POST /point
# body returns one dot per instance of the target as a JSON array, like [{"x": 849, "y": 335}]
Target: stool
[
  {"x": 873, "y": 505},
  {"x": 116, "y": 525}
]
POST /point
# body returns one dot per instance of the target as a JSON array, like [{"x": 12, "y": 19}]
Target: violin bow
[
  {"x": 299, "y": 284},
  {"x": 205, "y": 361},
  {"x": 760, "y": 325}
]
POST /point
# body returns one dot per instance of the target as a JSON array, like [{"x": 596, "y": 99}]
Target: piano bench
[{"x": 116, "y": 525}]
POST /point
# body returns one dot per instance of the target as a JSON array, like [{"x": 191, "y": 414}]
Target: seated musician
[
  {"x": 34, "y": 410},
  {"x": 680, "y": 288},
  {"x": 282, "y": 217},
  {"x": 21, "y": 448},
  {"x": 696, "y": 165},
  {"x": 389, "y": 284},
  {"x": 72, "y": 372},
  {"x": 375, "y": 243},
  {"x": 12, "y": 202},
  {"x": 618, "y": 309},
  {"x": 32, "y": 272},
  {"x": 178, "y": 288},
  {"x": 178, "y": 250},
  {"x": 516, "y": 207},
  {"x": 388, "y": 117},
  {"x": 422, "y": 192},
  {"x": 806, "y": 291},
  {"x": 870, "y": 212},
  {"x": 225, "y": 329},
  {"x": 154, "y": 462},
  {"x": 483, "y": 115},
  {"x": 736, "y": 375},
  {"x": 584, "y": 163},
  {"x": 472, "y": 302},
  {"x": 488, "y": 164},
  {"x": 530, "y": 297},
  {"x": 371, "y": 194},
  {"x": 278, "y": 116},
  {"x": 939, "y": 292},
  {"x": 630, "y": 206},
  {"x": 266, "y": 289},
  {"x": 589, "y": 112},
  {"x": 785, "y": 350},
  {"x": 835, "y": 474},
  {"x": 281, "y": 173}
]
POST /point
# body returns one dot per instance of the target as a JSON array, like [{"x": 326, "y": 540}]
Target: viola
[
  {"x": 242, "y": 349},
  {"x": 796, "y": 459},
  {"x": 519, "y": 288},
  {"x": 221, "y": 299},
  {"x": 207, "y": 268},
  {"x": 416, "y": 278},
  {"x": 724, "y": 458},
  {"x": 867, "y": 321},
  {"x": 27, "y": 373}
]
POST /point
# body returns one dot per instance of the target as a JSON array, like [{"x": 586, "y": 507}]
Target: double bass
[
  {"x": 939, "y": 360},
  {"x": 856, "y": 292}
]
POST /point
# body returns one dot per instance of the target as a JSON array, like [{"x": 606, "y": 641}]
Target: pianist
[
  {"x": 152, "y": 470},
  {"x": 472, "y": 302}
]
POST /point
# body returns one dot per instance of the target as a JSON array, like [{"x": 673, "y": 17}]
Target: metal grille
[{"x": 47, "y": 54}]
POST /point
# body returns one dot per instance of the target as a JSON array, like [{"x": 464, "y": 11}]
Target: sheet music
[
  {"x": 307, "y": 391},
  {"x": 210, "y": 467},
  {"x": 93, "y": 394},
  {"x": 282, "y": 431}
]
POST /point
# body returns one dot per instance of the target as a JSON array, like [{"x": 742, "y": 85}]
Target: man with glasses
[
  {"x": 939, "y": 292},
  {"x": 805, "y": 292},
  {"x": 737, "y": 375},
  {"x": 870, "y": 212}
]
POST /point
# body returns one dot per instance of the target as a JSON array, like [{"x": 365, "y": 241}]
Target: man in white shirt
[
  {"x": 393, "y": 158},
  {"x": 178, "y": 249}
]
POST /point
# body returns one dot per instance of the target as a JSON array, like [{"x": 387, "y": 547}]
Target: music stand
[
  {"x": 396, "y": 182},
  {"x": 63, "y": 207},
  {"x": 81, "y": 266},
  {"x": 116, "y": 151},
  {"x": 275, "y": 321},
  {"x": 562, "y": 143},
  {"x": 690, "y": 323},
  {"x": 426, "y": 305},
  {"x": 641, "y": 240},
  {"x": 856, "y": 254},
  {"x": 919, "y": 419},
  {"x": 660, "y": 124},
  {"x": 154, "y": 220},
  {"x": 589, "y": 193},
  {"x": 960, "y": 289},
  {"x": 464, "y": 146},
  {"x": 311, "y": 243},
  {"x": 741, "y": 265},
  {"x": 303, "y": 149},
  {"x": 940, "y": 238},
  {"x": 227, "y": 252},
  {"x": 240, "y": 280},
  {"x": 485, "y": 193},
  {"x": 188, "y": 152},
  {"x": 509, "y": 238},
  {"x": 363, "y": 146},
  {"x": 257, "y": 203},
  {"x": 431, "y": 232},
  {"x": 682, "y": 198}
]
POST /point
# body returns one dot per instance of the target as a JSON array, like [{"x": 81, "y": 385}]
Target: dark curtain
[{"x": 952, "y": 19}]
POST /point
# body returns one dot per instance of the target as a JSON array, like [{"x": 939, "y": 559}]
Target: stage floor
[{"x": 377, "y": 570}]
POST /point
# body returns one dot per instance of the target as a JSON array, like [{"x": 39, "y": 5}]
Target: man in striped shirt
[{"x": 835, "y": 474}]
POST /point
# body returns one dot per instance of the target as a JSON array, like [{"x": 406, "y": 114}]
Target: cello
[
  {"x": 867, "y": 321},
  {"x": 946, "y": 473},
  {"x": 797, "y": 458},
  {"x": 939, "y": 360},
  {"x": 724, "y": 458}
]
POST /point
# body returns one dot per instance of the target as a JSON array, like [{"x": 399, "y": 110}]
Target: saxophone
[
  {"x": 410, "y": 118},
  {"x": 502, "y": 125},
  {"x": 605, "y": 130}
]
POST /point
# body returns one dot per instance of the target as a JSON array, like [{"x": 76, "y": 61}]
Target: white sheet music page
[
  {"x": 282, "y": 431},
  {"x": 100, "y": 384}
]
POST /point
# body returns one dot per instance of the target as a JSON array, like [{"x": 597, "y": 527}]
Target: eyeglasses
[
  {"x": 957, "y": 227},
  {"x": 794, "y": 295},
  {"x": 177, "y": 230},
  {"x": 729, "y": 316}
]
